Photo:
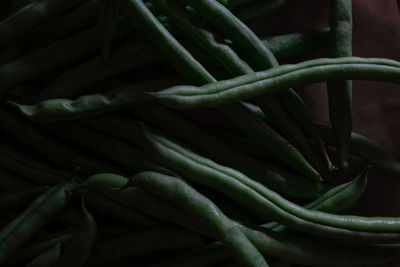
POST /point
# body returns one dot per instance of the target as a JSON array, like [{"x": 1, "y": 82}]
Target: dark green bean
[
  {"x": 265, "y": 203},
  {"x": 82, "y": 242},
  {"x": 198, "y": 206},
  {"x": 257, "y": 9},
  {"x": 263, "y": 82},
  {"x": 143, "y": 241},
  {"x": 366, "y": 149},
  {"x": 54, "y": 55},
  {"x": 118, "y": 211},
  {"x": 121, "y": 153},
  {"x": 18, "y": 4},
  {"x": 17, "y": 199},
  {"x": 11, "y": 52},
  {"x": 340, "y": 91},
  {"x": 275, "y": 178},
  {"x": 32, "y": 249},
  {"x": 47, "y": 258},
  {"x": 88, "y": 105},
  {"x": 10, "y": 181},
  {"x": 27, "y": 134},
  {"x": 32, "y": 219},
  {"x": 138, "y": 199},
  {"x": 108, "y": 19},
  {"x": 31, "y": 169},
  {"x": 31, "y": 15}
]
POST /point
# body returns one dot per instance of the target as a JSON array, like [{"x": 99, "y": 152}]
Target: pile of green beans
[{"x": 162, "y": 133}]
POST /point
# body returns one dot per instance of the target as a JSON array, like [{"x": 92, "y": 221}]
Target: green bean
[
  {"x": 10, "y": 181},
  {"x": 263, "y": 82},
  {"x": 337, "y": 200},
  {"x": 79, "y": 19},
  {"x": 296, "y": 44},
  {"x": 46, "y": 259},
  {"x": 108, "y": 19},
  {"x": 34, "y": 170},
  {"x": 20, "y": 198},
  {"x": 49, "y": 147},
  {"x": 31, "y": 15},
  {"x": 31, "y": 250},
  {"x": 18, "y": 4},
  {"x": 52, "y": 56},
  {"x": 275, "y": 178},
  {"x": 74, "y": 82},
  {"x": 32, "y": 219},
  {"x": 257, "y": 9},
  {"x": 340, "y": 91},
  {"x": 118, "y": 211},
  {"x": 88, "y": 105},
  {"x": 143, "y": 241},
  {"x": 202, "y": 76},
  {"x": 205, "y": 211},
  {"x": 365, "y": 149},
  {"x": 247, "y": 42},
  {"x": 138, "y": 199},
  {"x": 263, "y": 202},
  {"x": 82, "y": 242},
  {"x": 131, "y": 157}
]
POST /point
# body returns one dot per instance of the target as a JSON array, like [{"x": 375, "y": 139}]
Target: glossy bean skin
[
  {"x": 82, "y": 242},
  {"x": 181, "y": 194},
  {"x": 60, "y": 109},
  {"x": 32, "y": 219},
  {"x": 19, "y": 198},
  {"x": 46, "y": 145},
  {"x": 340, "y": 91},
  {"x": 366, "y": 149},
  {"x": 143, "y": 241},
  {"x": 265, "y": 203},
  {"x": 47, "y": 258},
  {"x": 255, "y": 84},
  {"x": 29, "y": 16}
]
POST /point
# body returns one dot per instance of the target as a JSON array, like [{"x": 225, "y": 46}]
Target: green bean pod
[
  {"x": 205, "y": 211},
  {"x": 59, "y": 109},
  {"x": 257, "y": 9},
  {"x": 143, "y": 241},
  {"x": 47, "y": 258},
  {"x": 264, "y": 203},
  {"x": 32, "y": 219},
  {"x": 366, "y": 149},
  {"x": 49, "y": 147},
  {"x": 19, "y": 198},
  {"x": 108, "y": 19},
  {"x": 31, "y": 15},
  {"x": 82, "y": 242},
  {"x": 74, "y": 82},
  {"x": 340, "y": 91},
  {"x": 140, "y": 200},
  {"x": 263, "y": 82}
]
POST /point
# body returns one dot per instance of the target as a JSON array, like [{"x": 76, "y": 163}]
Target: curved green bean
[
  {"x": 143, "y": 241},
  {"x": 263, "y": 82},
  {"x": 181, "y": 194},
  {"x": 32, "y": 219},
  {"x": 340, "y": 91},
  {"x": 264, "y": 203},
  {"x": 47, "y": 258},
  {"x": 82, "y": 242}
]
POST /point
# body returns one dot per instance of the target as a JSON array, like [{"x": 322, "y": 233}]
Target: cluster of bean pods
[{"x": 102, "y": 164}]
